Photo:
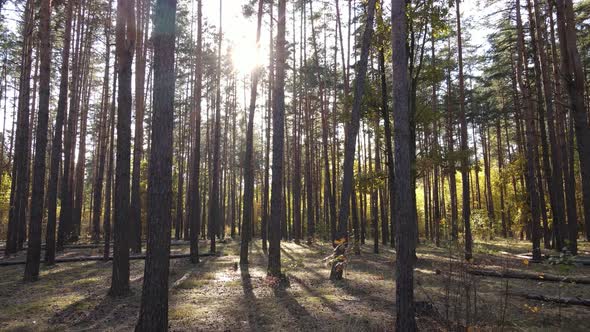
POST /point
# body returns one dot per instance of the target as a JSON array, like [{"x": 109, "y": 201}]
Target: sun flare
[{"x": 245, "y": 57}]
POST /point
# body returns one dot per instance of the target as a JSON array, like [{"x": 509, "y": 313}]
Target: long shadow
[
  {"x": 317, "y": 294},
  {"x": 296, "y": 310},
  {"x": 375, "y": 302},
  {"x": 109, "y": 312},
  {"x": 251, "y": 304}
]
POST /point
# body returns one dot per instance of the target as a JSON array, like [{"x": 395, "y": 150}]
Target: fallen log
[
  {"x": 100, "y": 258},
  {"x": 101, "y": 245},
  {"x": 530, "y": 276},
  {"x": 555, "y": 299}
]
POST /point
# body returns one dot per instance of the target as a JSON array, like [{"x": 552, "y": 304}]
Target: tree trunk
[
  {"x": 56, "y": 144},
  {"x": 248, "y": 211},
  {"x": 125, "y": 46},
  {"x": 352, "y": 129},
  {"x": 214, "y": 204},
  {"x": 34, "y": 244},
  {"x": 531, "y": 140},
  {"x": 153, "y": 313},
  {"x": 19, "y": 192},
  {"x": 142, "y": 20},
  {"x": 194, "y": 194},
  {"x": 464, "y": 148},
  {"x": 573, "y": 76},
  {"x": 274, "y": 252},
  {"x": 404, "y": 215}
]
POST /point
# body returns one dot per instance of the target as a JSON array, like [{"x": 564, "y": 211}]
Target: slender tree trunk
[
  {"x": 352, "y": 129},
  {"x": 451, "y": 148},
  {"x": 573, "y": 76},
  {"x": 56, "y": 144},
  {"x": 214, "y": 203},
  {"x": 436, "y": 148},
  {"x": 34, "y": 244},
  {"x": 388, "y": 143},
  {"x": 274, "y": 252},
  {"x": 464, "y": 148},
  {"x": 500, "y": 157},
  {"x": 195, "y": 196},
  {"x": 19, "y": 192},
  {"x": 248, "y": 212},
  {"x": 531, "y": 139},
  {"x": 405, "y": 242},
  {"x": 125, "y": 46},
  {"x": 142, "y": 18},
  {"x": 153, "y": 313},
  {"x": 296, "y": 146}
]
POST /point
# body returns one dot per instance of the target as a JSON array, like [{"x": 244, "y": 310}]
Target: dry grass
[{"x": 214, "y": 295}]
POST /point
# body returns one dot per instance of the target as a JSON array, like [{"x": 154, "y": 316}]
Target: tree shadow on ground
[
  {"x": 249, "y": 298},
  {"x": 296, "y": 310}
]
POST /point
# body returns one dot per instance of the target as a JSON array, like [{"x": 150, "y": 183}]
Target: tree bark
[
  {"x": 464, "y": 147},
  {"x": 573, "y": 76},
  {"x": 531, "y": 140},
  {"x": 352, "y": 129},
  {"x": 56, "y": 144},
  {"x": 153, "y": 313},
  {"x": 248, "y": 209},
  {"x": 274, "y": 252},
  {"x": 37, "y": 199},
  {"x": 125, "y": 46},
  {"x": 195, "y": 196},
  {"x": 142, "y": 19},
  {"x": 404, "y": 215}
]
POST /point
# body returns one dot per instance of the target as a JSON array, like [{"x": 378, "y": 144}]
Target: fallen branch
[
  {"x": 555, "y": 299},
  {"x": 529, "y": 276},
  {"x": 100, "y": 258}
]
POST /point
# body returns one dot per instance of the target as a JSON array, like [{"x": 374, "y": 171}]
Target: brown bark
[
  {"x": 352, "y": 129},
  {"x": 404, "y": 209},
  {"x": 274, "y": 252},
  {"x": 34, "y": 244},
  {"x": 125, "y": 46}
]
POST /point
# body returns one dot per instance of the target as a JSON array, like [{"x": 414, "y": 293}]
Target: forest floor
[{"x": 216, "y": 295}]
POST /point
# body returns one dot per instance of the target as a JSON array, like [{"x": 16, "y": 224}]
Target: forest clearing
[{"x": 221, "y": 296}]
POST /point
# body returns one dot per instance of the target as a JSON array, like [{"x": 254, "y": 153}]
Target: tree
[
  {"x": 278, "y": 125},
  {"x": 125, "y": 46},
  {"x": 140, "y": 64},
  {"x": 214, "y": 205},
  {"x": 34, "y": 244},
  {"x": 248, "y": 209},
  {"x": 573, "y": 77},
  {"x": 153, "y": 314},
  {"x": 195, "y": 198},
  {"x": 352, "y": 129},
  {"x": 103, "y": 132},
  {"x": 464, "y": 143},
  {"x": 531, "y": 140},
  {"x": 405, "y": 243},
  {"x": 56, "y": 144},
  {"x": 20, "y": 175}
]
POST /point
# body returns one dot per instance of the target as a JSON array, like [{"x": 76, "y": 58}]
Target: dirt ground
[{"x": 216, "y": 295}]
